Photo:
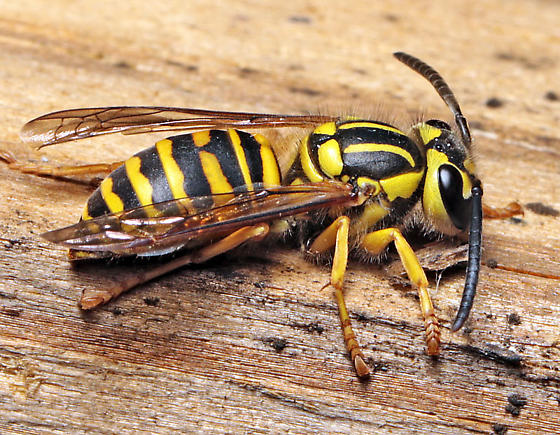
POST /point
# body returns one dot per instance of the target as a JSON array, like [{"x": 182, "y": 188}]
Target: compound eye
[
  {"x": 451, "y": 190},
  {"x": 438, "y": 124}
]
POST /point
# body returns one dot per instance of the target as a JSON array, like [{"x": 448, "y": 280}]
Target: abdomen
[{"x": 187, "y": 166}]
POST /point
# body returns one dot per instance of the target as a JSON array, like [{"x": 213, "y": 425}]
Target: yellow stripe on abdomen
[
  {"x": 85, "y": 213},
  {"x": 141, "y": 185},
  {"x": 241, "y": 158},
  {"x": 113, "y": 201},
  {"x": 201, "y": 138},
  {"x": 174, "y": 175},
  {"x": 218, "y": 182}
]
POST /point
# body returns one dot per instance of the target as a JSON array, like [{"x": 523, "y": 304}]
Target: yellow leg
[
  {"x": 375, "y": 243},
  {"x": 93, "y": 298},
  {"x": 57, "y": 171},
  {"x": 337, "y": 235}
]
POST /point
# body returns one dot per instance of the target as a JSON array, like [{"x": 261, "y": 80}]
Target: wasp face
[{"x": 447, "y": 198}]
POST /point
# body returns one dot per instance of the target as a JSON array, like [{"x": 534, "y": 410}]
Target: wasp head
[
  {"x": 452, "y": 198},
  {"x": 450, "y": 178}
]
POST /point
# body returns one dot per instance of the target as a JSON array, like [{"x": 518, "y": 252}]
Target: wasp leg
[
  {"x": 512, "y": 209},
  {"x": 337, "y": 234},
  {"x": 375, "y": 243},
  {"x": 57, "y": 171},
  {"x": 93, "y": 298}
]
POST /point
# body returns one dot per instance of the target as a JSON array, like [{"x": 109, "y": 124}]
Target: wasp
[{"x": 350, "y": 185}]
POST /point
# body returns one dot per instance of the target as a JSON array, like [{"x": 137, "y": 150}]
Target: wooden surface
[{"x": 253, "y": 345}]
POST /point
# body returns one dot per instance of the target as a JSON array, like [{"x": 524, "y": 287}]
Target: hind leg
[
  {"x": 57, "y": 171},
  {"x": 93, "y": 298}
]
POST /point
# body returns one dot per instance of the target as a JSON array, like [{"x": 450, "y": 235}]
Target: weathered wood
[{"x": 252, "y": 344}]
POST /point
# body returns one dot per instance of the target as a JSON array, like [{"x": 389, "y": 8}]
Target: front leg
[{"x": 375, "y": 243}]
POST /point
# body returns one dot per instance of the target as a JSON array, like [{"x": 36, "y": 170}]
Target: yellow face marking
[
  {"x": 307, "y": 164},
  {"x": 330, "y": 159},
  {"x": 271, "y": 171},
  {"x": 241, "y": 159},
  {"x": 329, "y": 128},
  {"x": 113, "y": 201},
  {"x": 201, "y": 138},
  {"x": 402, "y": 185},
  {"x": 432, "y": 202},
  {"x": 174, "y": 175},
  {"x": 374, "y": 147},
  {"x": 434, "y": 160},
  {"x": 427, "y": 132},
  {"x": 141, "y": 185},
  {"x": 469, "y": 165},
  {"x": 467, "y": 185},
  {"x": 431, "y": 198},
  {"x": 216, "y": 178},
  {"x": 368, "y": 124}
]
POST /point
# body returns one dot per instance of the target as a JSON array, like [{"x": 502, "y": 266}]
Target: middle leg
[{"x": 336, "y": 235}]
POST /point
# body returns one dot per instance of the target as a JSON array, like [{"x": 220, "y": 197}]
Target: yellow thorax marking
[
  {"x": 307, "y": 164},
  {"x": 427, "y": 132},
  {"x": 369, "y": 124},
  {"x": 330, "y": 159},
  {"x": 402, "y": 185},
  {"x": 328, "y": 128},
  {"x": 372, "y": 214},
  {"x": 374, "y": 185}
]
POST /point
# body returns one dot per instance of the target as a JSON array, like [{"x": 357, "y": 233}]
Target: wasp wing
[
  {"x": 168, "y": 225},
  {"x": 73, "y": 124}
]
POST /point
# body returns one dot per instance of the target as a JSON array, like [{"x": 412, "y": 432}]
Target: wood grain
[{"x": 252, "y": 344}]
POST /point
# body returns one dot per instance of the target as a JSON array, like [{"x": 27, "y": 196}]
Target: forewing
[
  {"x": 131, "y": 232},
  {"x": 68, "y": 125}
]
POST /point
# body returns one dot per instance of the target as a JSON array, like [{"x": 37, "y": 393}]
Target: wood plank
[{"x": 252, "y": 344}]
